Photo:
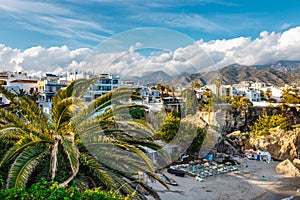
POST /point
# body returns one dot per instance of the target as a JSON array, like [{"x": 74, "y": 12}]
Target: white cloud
[
  {"x": 197, "y": 57},
  {"x": 40, "y": 59},
  {"x": 285, "y": 26},
  {"x": 182, "y": 20},
  {"x": 54, "y": 19}
]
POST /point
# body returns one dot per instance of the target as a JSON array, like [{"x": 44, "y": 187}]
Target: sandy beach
[{"x": 246, "y": 183}]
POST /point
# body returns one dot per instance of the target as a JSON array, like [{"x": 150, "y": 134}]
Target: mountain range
[{"x": 278, "y": 74}]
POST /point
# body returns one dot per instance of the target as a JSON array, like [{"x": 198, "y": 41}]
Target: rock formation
[
  {"x": 225, "y": 147},
  {"x": 287, "y": 168},
  {"x": 281, "y": 144},
  {"x": 296, "y": 162}
]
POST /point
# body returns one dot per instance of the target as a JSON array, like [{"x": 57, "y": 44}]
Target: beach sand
[{"x": 246, "y": 183}]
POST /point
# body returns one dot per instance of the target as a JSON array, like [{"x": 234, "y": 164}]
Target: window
[
  {"x": 106, "y": 88},
  {"x": 115, "y": 81},
  {"x": 106, "y": 81}
]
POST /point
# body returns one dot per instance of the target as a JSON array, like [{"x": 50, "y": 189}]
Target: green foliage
[
  {"x": 241, "y": 103},
  {"x": 51, "y": 191},
  {"x": 196, "y": 85},
  {"x": 170, "y": 127},
  {"x": 272, "y": 100},
  {"x": 268, "y": 94},
  {"x": 186, "y": 132},
  {"x": 290, "y": 96},
  {"x": 3, "y": 173},
  {"x": 264, "y": 123},
  {"x": 56, "y": 146},
  {"x": 137, "y": 112},
  {"x": 136, "y": 96}
]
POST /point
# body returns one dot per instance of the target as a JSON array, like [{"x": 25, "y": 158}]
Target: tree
[
  {"x": 264, "y": 123},
  {"x": 161, "y": 88},
  {"x": 169, "y": 127},
  {"x": 290, "y": 97},
  {"x": 241, "y": 103},
  {"x": 268, "y": 94},
  {"x": 196, "y": 85},
  {"x": 59, "y": 147},
  {"x": 218, "y": 84}
]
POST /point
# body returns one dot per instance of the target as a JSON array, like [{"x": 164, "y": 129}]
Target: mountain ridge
[{"x": 278, "y": 73}]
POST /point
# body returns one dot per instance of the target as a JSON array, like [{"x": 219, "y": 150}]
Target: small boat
[
  {"x": 176, "y": 172},
  {"x": 169, "y": 181}
]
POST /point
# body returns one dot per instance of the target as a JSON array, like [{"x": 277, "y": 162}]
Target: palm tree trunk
[
  {"x": 75, "y": 168},
  {"x": 54, "y": 159},
  {"x": 74, "y": 174}
]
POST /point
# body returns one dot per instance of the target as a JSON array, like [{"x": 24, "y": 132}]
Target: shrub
[
  {"x": 50, "y": 191},
  {"x": 264, "y": 123},
  {"x": 170, "y": 127}
]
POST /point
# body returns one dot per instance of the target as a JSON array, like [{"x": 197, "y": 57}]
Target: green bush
[
  {"x": 51, "y": 191},
  {"x": 264, "y": 123},
  {"x": 169, "y": 128}
]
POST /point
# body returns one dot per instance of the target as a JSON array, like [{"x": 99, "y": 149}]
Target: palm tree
[
  {"x": 218, "y": 84},
  {"x": 78, "y": 142},
  {"x": 161, "y": 88}
]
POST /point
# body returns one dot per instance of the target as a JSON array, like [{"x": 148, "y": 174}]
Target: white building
[
  {"x": 253, "y": 95},
  {"x": 276, "y": 93},
  {"x": 151, "y": 95},
  {"x": 47, "y": 87},
  {"x": 105, "y": 83},
  {"x": 18, "y": 82}
]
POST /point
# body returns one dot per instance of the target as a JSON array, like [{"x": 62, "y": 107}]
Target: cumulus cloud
[
  {"x": 197, "y": 57},
  {"x": 37, "y": 60}
]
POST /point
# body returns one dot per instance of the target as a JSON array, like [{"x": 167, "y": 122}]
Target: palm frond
[
  {"x": 11, "y": 132},
  {"x": 9, "y": 95},
  {"x": 23, "y": 166},
  {"x": 32, "y": 113},
  {"x": 72, "y": 152},
  {"x": 104, "y": 101},
  {"x": 75, "y": 89},
  {"x": 96, "y": 168},
  {"x": 62, "y": 113},
  {"x": 138, "y": 151},
  {"x": 10, "y": 118},
  {"x": 19, "y": 147}
]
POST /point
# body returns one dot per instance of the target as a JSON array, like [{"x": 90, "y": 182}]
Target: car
[{"x": 176, "y": 172}]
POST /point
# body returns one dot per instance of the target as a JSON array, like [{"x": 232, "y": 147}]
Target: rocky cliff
[
  {"x": 228, "y": 119},
  {"x": 281, "y": 144}
]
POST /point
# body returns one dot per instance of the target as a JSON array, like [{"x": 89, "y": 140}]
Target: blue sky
[
  {"x": 40, "y": 36},
  {"x": 77, "y": 24}
]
